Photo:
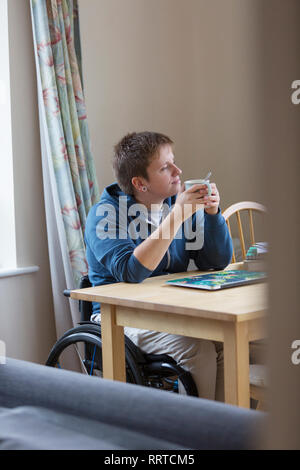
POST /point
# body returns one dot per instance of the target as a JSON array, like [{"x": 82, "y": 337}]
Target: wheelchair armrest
[{"x": 84, "y": 282}]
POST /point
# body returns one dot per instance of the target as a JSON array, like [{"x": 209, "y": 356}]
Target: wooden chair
[
  {"x": 258, "y": 373},
  {"x": 236, "y": 209}
]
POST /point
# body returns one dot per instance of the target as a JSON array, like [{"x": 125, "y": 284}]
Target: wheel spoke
[{"x": 80, "y": 359}]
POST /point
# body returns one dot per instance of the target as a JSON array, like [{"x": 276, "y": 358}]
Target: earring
[{"x": 144, "y": 188}]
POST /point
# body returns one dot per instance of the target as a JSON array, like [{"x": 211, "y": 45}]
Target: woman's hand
[
  {"x": 212, "y": 202},
  {"x": 194, "y": 198},
  {"x": 150, "y": 251}
]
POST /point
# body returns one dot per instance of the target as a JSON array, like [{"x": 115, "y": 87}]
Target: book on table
[{"x": 219, "y": 280}]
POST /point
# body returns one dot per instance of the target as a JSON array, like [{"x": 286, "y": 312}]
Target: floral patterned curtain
[{"x": 57, "y": 43}]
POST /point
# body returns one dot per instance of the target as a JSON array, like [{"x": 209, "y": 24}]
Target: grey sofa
[{"x": 45, "y": 408}]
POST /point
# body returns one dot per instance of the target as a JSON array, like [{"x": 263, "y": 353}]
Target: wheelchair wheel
[
  {"x": 166, "y": 374},
  {"x": 85, "y": 342},
  {"x": 84, "y": 327}
]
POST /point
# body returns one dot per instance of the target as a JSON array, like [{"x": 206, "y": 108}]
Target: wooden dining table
[{"x": 234, "y": 316}]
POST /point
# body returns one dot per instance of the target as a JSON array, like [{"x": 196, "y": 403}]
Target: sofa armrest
[{"x": 175, "y": 420}]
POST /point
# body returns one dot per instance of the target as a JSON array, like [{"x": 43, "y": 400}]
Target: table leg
[
  {"x": 113, "y": 345},
  {"x": 236, "y": 364}
]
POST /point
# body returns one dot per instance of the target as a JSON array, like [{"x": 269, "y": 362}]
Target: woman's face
[{"x": 163, "y": 175}]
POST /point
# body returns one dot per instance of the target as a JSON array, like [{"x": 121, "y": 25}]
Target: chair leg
[
  {"x": 258, "y": 394},
  {"x": 261, "y": 406}
]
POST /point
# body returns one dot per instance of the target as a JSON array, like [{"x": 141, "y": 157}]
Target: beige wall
[
  {"x": 26, "y": 312},
  {"x": 137, "y": 71},
  {"x": 227, "y": 113},
  {"x": 188, "y": 68}
]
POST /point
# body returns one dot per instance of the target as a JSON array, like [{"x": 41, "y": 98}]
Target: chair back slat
[
  {"x": 241, "y": 233},
  {"x": 251, "y": 226},
  {"x": 233, "y": 250}
]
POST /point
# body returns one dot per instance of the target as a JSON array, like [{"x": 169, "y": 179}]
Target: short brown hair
[{"x": 133, "y": 155}]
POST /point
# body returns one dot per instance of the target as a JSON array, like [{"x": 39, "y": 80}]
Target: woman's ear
[{"x": 138, "y": 183}]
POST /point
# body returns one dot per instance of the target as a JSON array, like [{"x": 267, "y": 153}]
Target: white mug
[{"x": 190, "y": 183}]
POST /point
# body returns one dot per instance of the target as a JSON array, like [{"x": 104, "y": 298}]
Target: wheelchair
[{"x": 152, "y": 370}]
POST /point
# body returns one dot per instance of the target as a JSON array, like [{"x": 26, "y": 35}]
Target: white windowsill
[{"x": 18, "y": 271}]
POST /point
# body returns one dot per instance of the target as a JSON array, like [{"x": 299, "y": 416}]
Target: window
[
  {"x": 8, "y": 249},
  {"x": 7, "y": 210}
]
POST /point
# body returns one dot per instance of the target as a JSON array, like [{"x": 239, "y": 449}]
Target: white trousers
[{"x": 202, "y": 358}]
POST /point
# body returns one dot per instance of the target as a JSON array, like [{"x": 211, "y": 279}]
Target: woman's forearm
[{"x": 151, "y": 251}]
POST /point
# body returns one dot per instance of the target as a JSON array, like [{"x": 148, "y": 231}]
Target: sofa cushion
[{"x": 35, "y": 428}]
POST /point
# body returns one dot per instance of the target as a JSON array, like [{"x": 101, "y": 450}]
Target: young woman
[{"x": 147, "y": 224}]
